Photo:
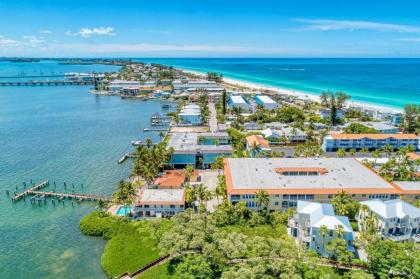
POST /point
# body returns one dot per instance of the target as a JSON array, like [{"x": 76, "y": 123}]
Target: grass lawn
[
  {"x": 159, "y": 271},
  {"x": 131, "y": 245}
]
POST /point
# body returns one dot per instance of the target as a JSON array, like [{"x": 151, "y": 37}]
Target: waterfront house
[
  {"x": 159, "y": 202},
  {"x": 310, "y": 217},
  {"x": 252, "y": 126},
  {"x": 236, "y": 101},
  {"x": 196, "y": 85},
  {"x": 394, "y": 219},
  {"x": 260, "y": 142},
  {"x": 336, "y": 141},
  {"x": 198, "y": 149},
  {"x": 290, "y": 133},
  {"x": 288, "y": 180},
  {"x": 116, "y": 86},
  {"x": 266, "y": 102}
]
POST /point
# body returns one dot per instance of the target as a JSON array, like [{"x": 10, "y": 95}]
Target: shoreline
[{"x": 291, "y": 92}]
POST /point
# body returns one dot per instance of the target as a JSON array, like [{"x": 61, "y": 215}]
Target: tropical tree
[
  {"x": 221, "y": 188},
  {"x": 352, "y": 152},
  {"x": 344, "y": 205},
  {"x": 411, "y": 118},
  {"x": 334, "y": 101},
  {"x": 388, "y": 149},
  {"x": 364, "y": 150},
  {"x": 376, "y": 154},
  {"x": 102, "y": 205},
  {"x": 188, "y": 172},
  {"x": 255, "y": 148},
  {"x": 224, "y": 102},
  {"x": 125, "y": 194},
  {"x": 323, "y": 231},
  {"x": 341, "y": 153},
  {"x": 339, "y": 231},
  {"x": 218, "y": 164},
  {"x": 263, "y": 199},
  {"x": 161, "y": 135}
]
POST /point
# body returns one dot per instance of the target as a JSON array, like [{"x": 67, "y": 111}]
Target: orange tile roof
[
  {"x": 173, "y": 179},
  {"x": 413, "y": 156},
  {"x": 372, "y": 136},
  {"x": 260, "y": 140}
]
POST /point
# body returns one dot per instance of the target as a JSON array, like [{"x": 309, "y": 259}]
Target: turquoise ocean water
[
  {"x": 388, "y": 82},
  {"x": 64, "y": 134}
]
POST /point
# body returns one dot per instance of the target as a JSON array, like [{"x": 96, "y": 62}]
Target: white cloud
[
  {"x": 45, "y": 32},
  {"x": 87, "y": 32},
  {"x": 7, "y": 42},
  {"x": 34, "y": 40},
  {"x": 351, "y": 25}
]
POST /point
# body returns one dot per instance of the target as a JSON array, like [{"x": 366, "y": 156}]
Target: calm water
[
  {"x": 60, "y": 134},
  {"x": 389, "y": 82}
]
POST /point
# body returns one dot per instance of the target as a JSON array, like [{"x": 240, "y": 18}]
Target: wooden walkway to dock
[{"x": 30, "y": 190}]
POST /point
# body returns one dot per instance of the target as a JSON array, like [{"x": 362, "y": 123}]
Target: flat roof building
[
  {"x": 266, "y": 102},
  {"x": 236, "y": 101},
  {"x": 287, "y": 180},
  {"x": 336, "y": 141},
  {"x": 381, "y": 127},
  {"x": 159, "y": 202}
]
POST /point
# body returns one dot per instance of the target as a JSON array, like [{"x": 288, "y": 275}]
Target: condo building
[
  {"x": 265, "y": 102},
  {"x": 159, "y": 202},
  {"x": 288, "y": 180},
  {"x": 336, "y": 141}
]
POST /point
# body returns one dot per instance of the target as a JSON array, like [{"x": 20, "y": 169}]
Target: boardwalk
[{"x": 32, "y": 189}]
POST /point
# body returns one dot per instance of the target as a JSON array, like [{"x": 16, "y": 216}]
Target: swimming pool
[{"x": 124, "y": 210}]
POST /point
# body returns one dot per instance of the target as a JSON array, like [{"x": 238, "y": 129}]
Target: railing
[{"x": 399, "y": 237}]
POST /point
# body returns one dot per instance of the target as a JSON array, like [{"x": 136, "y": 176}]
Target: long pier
[
  {"x": 80, "y": 197},
  {"x": 30, "y": 190},
  {"x": 44, "y": 83},
  {"x": 125, "y": 157}
]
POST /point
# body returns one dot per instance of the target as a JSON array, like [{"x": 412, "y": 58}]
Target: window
[
  {"x": 276, "y": 203},
  {"x": 330, "y": 196}
]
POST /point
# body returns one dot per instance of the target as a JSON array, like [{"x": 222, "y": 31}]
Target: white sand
[{"x": 299, "y": 94}]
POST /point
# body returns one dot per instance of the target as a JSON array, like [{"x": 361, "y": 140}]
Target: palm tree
[
  {"x": 254, "y": 149},
  {"x": 161, "y": 135},
  {"x": 388, "y": 149},
  {"x": 341, "y": 153},
  {"x": 188, "y": 170},
  {"x": 125, "y": 194},
  {"x": 263, "y": 199},
  {"x": 411, "y": 118},
  {"x": 376, "y": 154},
  {"x": 364, "y": 150},
  {"x": 339, "y": 230},
  {"x": 101, "y": 205},
  {"x": 334, "y": 101},
  {"x": 352, "y": 152},
  {"x": 221, "y": 188},
  {"x": 323, "y": 231}
]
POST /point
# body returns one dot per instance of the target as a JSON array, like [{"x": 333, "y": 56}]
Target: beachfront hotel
[
  {"x": 336, "y": 141},
  {"x": 266, "y": 102},
  {"x": 395, "y": 219},
  {"x": 288, "y": 180},
  {"x": 310, "y": 217},
  {"x": 159, "y": 202}
]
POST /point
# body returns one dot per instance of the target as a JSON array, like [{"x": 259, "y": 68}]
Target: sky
[{"x": 210, "y": 28}]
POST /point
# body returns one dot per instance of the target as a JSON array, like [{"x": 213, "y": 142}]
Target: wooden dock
[
  {"x": 30, "y": 190},
  {"x": 80, "y": 197},
  {"x": 156, "y": 129},
  {"x": 125, "y": 157}
]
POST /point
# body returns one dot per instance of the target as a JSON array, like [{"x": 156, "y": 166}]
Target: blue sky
[{"x": 206, "y": 28}]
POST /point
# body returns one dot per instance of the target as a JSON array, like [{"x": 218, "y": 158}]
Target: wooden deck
[{"x": 30, "y": 190}]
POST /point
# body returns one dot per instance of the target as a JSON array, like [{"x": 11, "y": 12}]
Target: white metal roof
[
  {"x": 393, "y": 208},
  {"x": 265, "y": 99}
]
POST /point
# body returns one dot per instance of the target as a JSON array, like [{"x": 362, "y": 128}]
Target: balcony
[{"x": 398, "y": 238}]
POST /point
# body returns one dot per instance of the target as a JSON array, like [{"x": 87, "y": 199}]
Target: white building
[
  {"x": 326, "y": 114},
  {"x": 266, "y": 102},
  {"x": 118, "y": 85},
  {"x": 291, "y": 134},
  {"x": 336, "y": 141},
  {"x": 310, "y": 217},
  {"x": 236, "y": 101},
  {"x": 381, "y": 127},
  {"x": 160, "y": 202},
  {"x": 190, "y": 115},
  {"x": 396, "y": 219},
  {"x": 194, "y": 85}
]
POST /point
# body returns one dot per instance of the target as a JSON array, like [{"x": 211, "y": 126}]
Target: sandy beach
[{"x": 299, "y": 94}]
